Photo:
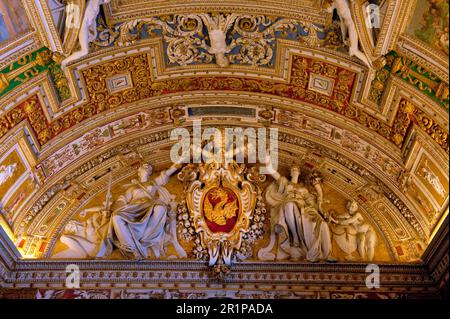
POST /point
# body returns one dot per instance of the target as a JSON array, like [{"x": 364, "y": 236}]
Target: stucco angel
[
  {"x": 81, "y": 24},
  {"x": 352, "y": 233},
  {"x": 348, "y": 29},
  {"x": 84, "y": 238},
  {"x": 218, "y": 27}
]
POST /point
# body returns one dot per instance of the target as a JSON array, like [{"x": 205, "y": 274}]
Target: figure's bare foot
[
  {"x": 137, "y": 256},
  {"x": 295, "y": 253},
  {"x": 331, "y": 260},
  {"x": 281, "y": 255},
  {"x": 266, "y": 256}
]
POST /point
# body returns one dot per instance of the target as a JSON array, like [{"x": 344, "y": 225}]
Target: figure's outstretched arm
[
  {"x": 318, "y": 187},
  {"x": 331, "y": 8},
  {"x": 276, "y": 176},
  {"x": 350, "y": 220},
  {"x": 163, "y": 178}
]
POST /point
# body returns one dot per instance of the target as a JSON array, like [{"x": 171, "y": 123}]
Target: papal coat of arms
[
  {"x": 221, "y": 200},
  {"x": 220, "y": 207}
]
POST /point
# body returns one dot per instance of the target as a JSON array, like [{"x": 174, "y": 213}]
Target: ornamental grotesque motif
[{"x": 229, "y": 38}]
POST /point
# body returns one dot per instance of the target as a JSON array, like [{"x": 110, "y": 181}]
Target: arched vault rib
[
  {"x": 279, "y": 109},
  {"x": 132, "y": 141},
  {"x": 289, "y": 89}
]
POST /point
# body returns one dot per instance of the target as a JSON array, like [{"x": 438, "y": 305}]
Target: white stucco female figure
[
  {"x": 348, "y": 27},
  {"x": 88, "y": 28},
  {"x": 143, "y": 218},
  {"x": 297, "y": 220}
]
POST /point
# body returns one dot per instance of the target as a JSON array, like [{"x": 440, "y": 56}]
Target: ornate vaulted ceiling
[{"x": 378, "y": 134}]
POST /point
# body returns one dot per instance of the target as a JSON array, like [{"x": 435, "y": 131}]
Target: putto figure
[
  {"x": 352, "y": 233},
  {"x": 86, "y": 27},
  {"x": 348, "y": 29}
]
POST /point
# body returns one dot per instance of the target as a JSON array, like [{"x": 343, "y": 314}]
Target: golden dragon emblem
[{"x": 223, "y": 210}]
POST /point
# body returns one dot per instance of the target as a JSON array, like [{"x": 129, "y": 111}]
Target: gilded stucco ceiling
[{"x": 376, "y": 131}]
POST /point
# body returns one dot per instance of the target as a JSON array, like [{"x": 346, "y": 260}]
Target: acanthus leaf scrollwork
[{"x": 221, "y": 38}]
